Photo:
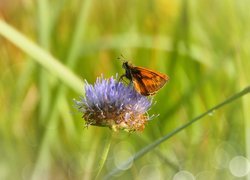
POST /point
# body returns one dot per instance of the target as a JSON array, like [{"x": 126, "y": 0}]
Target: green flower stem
[
  {"x": 153, "y": 145},
  {"x": 104, "y": 155}
]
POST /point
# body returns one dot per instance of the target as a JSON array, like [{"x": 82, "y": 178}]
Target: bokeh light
[
  {"x": 149, "y": 172},
  {"x": 122, "y": 152},
  {"x": 184, "y": 175},
  {"x": 239, "y": 166}
]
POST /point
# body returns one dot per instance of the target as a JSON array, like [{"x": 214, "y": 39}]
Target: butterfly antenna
[{"x": 121, "y": 58}]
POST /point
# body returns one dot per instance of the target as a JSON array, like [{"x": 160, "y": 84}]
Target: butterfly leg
[
  {"x": 122, "y": 79},
  {"x": 130, "y": 83}
]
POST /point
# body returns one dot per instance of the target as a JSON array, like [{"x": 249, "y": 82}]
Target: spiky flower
[{"x": 112, "y": 104}]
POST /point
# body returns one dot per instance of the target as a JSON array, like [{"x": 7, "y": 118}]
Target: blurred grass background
[{"x": 202, "y": 45}]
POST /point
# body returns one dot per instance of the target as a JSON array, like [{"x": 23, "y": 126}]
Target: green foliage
[{"x": 47, "y": 48}]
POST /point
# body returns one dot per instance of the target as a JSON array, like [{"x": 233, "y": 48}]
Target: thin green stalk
[
  {"x": 43, "y": 23},
  {"x": 44, "y": 40},
  {"x": 104, "y": 156},
  {"x": 150, "y": 147},
  {"x": 57, "y": 11},
  {"x": 80, "y": 30}
]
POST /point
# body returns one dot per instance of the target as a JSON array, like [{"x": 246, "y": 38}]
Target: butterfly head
[
  {"x": 127, "y": 68},
  {"x": 125, "y": 65}
]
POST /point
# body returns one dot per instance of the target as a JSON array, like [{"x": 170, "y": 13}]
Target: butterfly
[{"x": 146, "y": 82}]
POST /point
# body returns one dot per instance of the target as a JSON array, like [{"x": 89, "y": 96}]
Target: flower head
[{"x": 111, "y": 103}]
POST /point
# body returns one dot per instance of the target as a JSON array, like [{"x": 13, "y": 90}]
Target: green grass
[{"x": 48, "y": 48}]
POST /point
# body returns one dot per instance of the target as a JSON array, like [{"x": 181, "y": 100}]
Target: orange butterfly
[{"x": 146, "y": 82}]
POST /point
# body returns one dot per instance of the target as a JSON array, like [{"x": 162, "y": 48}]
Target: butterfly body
[{"x": 146, "y": 82}]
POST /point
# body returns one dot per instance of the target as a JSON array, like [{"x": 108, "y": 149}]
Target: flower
[{"x": 112, "y": 104}]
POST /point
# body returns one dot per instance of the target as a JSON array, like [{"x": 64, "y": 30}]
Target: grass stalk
[{"x": 44, "y": 41}]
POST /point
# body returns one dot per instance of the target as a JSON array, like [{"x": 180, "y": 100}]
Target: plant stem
[{"x": 104, "y": 155}]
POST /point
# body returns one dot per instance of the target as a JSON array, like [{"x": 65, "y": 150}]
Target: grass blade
[{"x": 41, "y": 56}]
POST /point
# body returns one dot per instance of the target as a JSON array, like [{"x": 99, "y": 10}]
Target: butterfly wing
[{"x": 147, "y": 82}]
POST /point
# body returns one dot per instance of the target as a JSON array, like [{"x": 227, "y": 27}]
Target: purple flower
[{"x": 112, "y": 104}]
